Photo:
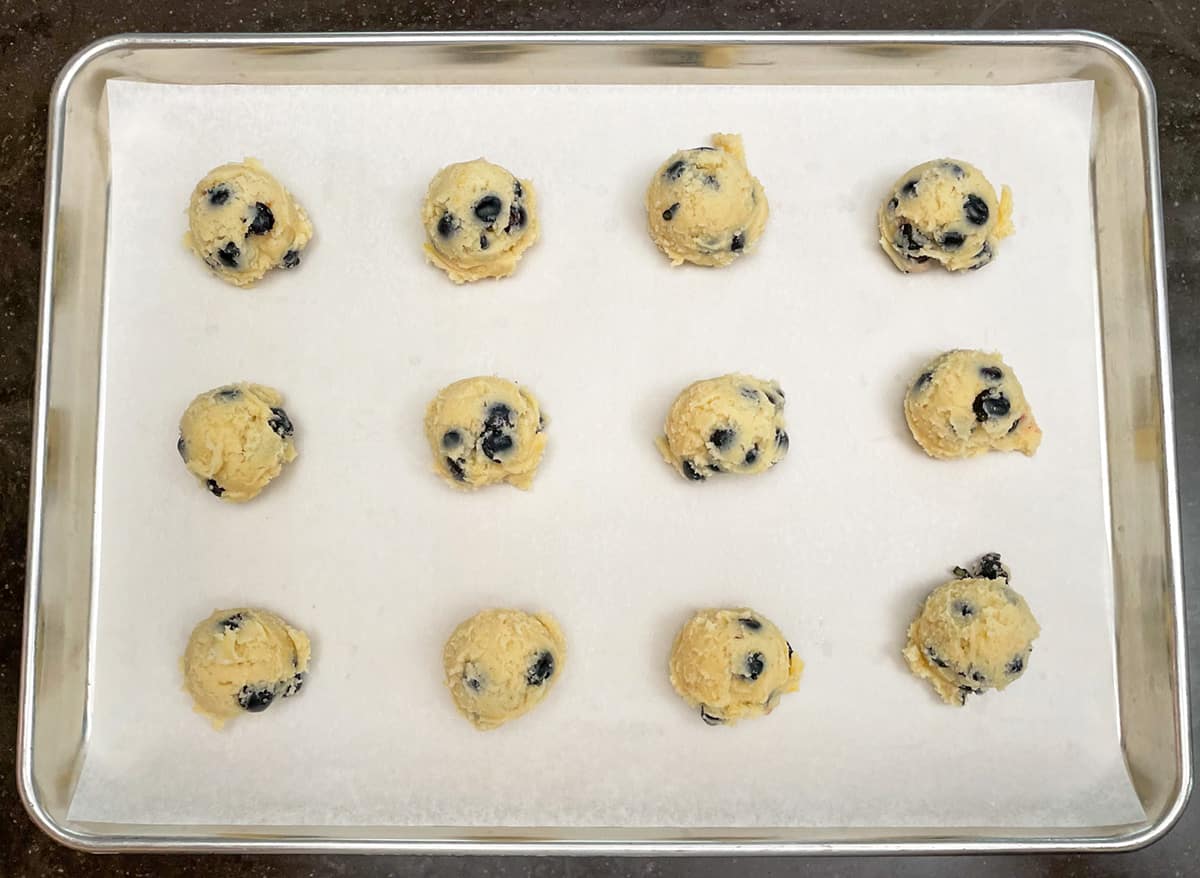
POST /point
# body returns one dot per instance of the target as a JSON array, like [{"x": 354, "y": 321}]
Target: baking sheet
[{"x": 377, "y": 560}]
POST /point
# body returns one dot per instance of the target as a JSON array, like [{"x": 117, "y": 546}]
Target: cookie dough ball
[
  {"x": 479, "y": 220},
  {"x": 732, "y": 664},
  {"x": 241, "y": 661},
  {"x": 501, "y": 663},
  {"x": 243, "y": 223},
  {"x": 965, "y": 403},
  {"x": 946, "y": 213},
  {"x": 973, "y": 633},
  {"x": 704, "y": 206},
  {"x": 235, "y": 439},
  {"x": 485, "y": 430},
  {"x": 732, "y": 424}
]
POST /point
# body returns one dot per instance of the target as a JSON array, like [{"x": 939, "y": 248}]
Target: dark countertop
[{"x": 38, "y": 36}]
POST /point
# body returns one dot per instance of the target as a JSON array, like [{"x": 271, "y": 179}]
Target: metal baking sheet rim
[{"x": 258, "y": 839}]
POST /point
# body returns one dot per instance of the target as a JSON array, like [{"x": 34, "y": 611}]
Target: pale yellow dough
[
  {"x": 972, "y": 634},
  {"x": 242, "y": 661},
  {"x": 235, "y": 439},
  {"x": 732, "y": 664},
  {"x": 944, "y": 212},
  {"x": 479, "y": 220},
  {"x": 704, "y": 206},
  {"x": 243, "y": 223},
  {"x": 500, "y": 664},
  {"x": 731, "y": 424},
  {"x": 964, "y": 403},
  {"x": 485, "y": 430}
]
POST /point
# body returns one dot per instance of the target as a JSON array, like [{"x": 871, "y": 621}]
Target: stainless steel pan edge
[{"x": 585, "y": 841}]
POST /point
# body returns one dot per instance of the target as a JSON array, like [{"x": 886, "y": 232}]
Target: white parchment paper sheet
[{"x": 361, "y": 546}]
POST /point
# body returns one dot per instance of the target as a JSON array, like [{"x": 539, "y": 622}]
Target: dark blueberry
[
  {"x": 669, "y": 213},
  {"x": 228, "y": 255},
  {"x": 447, "y": 225},
  {"x": 495, "y": 444},
  {"x": 483, "y": 242},
  {"x": 215, "y": 488},
  {"x": 952, "y": 240},
  {"x": 541, "y": 423},
  {"x": 976, "y": 210},
  {"x": 498, "y": 417},
  {"x": 487, "y": 209},
  {"x": 263, "y": 220},
  {"x": 218, "y": 194},
  {"x": 978, "y": 677},
  {"x": 781, "y": 438},
  {"x": 964, "y": 691},
  {"x": 956, "y": 170},
  {"x": 1016, "y": 424},
  {"x": 935, "y": 658},
  {"x": 711, "y": 182},
  {"x": 473, "y": 681},
  {"x": 991, "y": 568},
  {"x": 451, "y": 439},
  {"x": 909, "y": 189},
  {"x": 990, "y": 403},
  {"x": 715, "y": 467},
  {"x": 919, "y": 260},
  {"x": 991, "y": 373},
  {"x": 893, "y": 204},
  {"x": 739, "y": 243},
  {"x": 923, "y": 379},
  {"x": 907, "y": 238},
  {"x": 983, "y": 257},
  {"x": 749, "y": 393},
  {"x": 181, "y": 447},
  {"x": 516, "y": 217},
  {"x": 751, "y": 623},
  {"x": 291, "y": 259},
  {"x": 518, "y": 192},
  {"x": 456, "y": 469},
  {"x": 294, "y": 685},
  {"x": 541, "y": 670},
  {"x": 675, "y": 169},
  {"x": 280, "y": 423},
  {"x": 709, "y": 719},
  {"x": 965, "y": 609},
  {"x": 962, "y": 573},
  {"x": 751, "y": 456},
  {"x": 496, "y": 440},
  {"x": 233, "y": 623},
  {"x": 721, "y": 437},
  {"x": 789, "y": 646},
  {"x": 754, "y": 666},
  {"x": 228, "y": 394},
  {"x": 1015, "y": 666},
  {"x": 689, "y": 470},
  {"x": 255, "y": 700}
]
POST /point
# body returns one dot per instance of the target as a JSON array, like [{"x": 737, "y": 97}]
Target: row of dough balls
[
  {"x": 486, "y": 430},
  {"x": 703, "y": 206},
  {"x": 972, "y": 634}
]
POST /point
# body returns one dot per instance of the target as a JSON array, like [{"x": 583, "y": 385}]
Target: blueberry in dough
[
  {"x": 704, "y": 206},
  {"x": 972, "y": 634},
  {"x": 731, "y": 664},
  {"x": 731, "y": 424},
  {"x": 964, "y": 403},
  {"x": 944, "y": 212},
  {"x": 236, "y": 439},
  {"x": 243, "y": 661},
  {"x": 485, "y": 430},
  {"x": 500, "y": 664},
  {"x": 242, "y": 222},
  {"x": 479, "y": 220}
]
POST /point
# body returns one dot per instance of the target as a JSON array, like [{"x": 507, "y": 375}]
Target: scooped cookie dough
[
  {"x": 485, "y": 430},
  {"x": 965, "y": 403},
  {"x": 243, "y": 223},
  {"x": 946, "y": 213},
  {"x": 479, "y": 220},
  {"x": 704, "y": 206},
  {"x": 243, "y": 660},
  {"x": 974, "y": 633},
  {"x": 731, "y": 424},
  {"x": 500, "y": 664},
  {"x": 235, "y": 439},
  {"x": 732, "y": 664}
]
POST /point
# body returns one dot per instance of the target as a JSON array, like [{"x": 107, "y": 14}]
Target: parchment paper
[{"x": 362, "y": 547}]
